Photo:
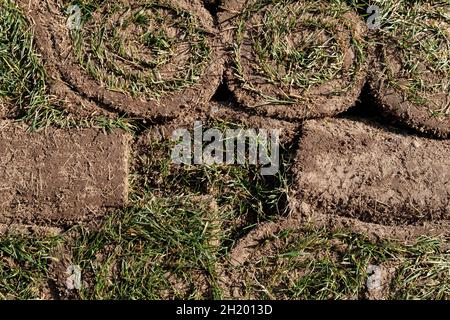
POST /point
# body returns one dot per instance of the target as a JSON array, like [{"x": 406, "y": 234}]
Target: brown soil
[
  {"x": 60, "y": 175},
  {"x": 317, "y": 100},
  {"x": 84, "y": 96},
  {"x": 363, "y": 170}
]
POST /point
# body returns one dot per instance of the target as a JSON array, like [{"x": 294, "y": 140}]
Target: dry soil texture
[
  {"x": 57, "y": 175},
  {"x": 363, "y": 170}
]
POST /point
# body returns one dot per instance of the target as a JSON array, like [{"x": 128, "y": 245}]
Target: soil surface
[
  {"x": 8, "y": 111},
  {"x": 20, "y": 229},
  {"x": 58, "y": 175},
  {"x": 363, "y": 170},
  {"x": 269, "y": 92},
  {"x": 85, "y": 96}
]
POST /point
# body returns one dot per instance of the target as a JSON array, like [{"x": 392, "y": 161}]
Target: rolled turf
[
  {"x": 294, "y": 59},
  {"x": 410, "y": 76}
]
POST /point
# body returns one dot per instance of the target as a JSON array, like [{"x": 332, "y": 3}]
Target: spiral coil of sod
[
  {"x": 294, "y": 59},
  {"x": 147, "y": 58},
  {"x": 22, "y": 80},
  {"x": 410, "y": 77}
]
